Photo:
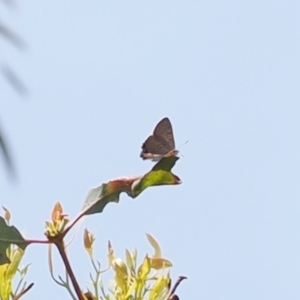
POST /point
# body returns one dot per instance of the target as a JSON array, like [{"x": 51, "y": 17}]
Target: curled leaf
[
  {"x": 98, "y": 197},
  {"x": 154, "y": 244},
  {"x": 159, "y": 263}
]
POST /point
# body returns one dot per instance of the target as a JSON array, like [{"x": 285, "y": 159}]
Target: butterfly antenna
[{"x": 181, "y": 146}]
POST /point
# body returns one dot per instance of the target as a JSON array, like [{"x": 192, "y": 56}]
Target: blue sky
[{"x": 101, "y": 75}]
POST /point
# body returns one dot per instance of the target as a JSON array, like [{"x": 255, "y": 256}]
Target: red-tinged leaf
[
  {"x": 100, "y": 196},
  {"x": 56, "y": 212},
  {"x": 9, "y": 235}
]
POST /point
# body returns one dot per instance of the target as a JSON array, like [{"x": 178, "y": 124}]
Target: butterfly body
[{"x": 161, "y": 143}]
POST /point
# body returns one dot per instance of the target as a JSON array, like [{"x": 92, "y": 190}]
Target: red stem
[
  {"x": 180, "y": 278},
  {"x": 67, "y": 229},
  {"x": 38, "y": 242},
  {"x": 62, "y": 252}
]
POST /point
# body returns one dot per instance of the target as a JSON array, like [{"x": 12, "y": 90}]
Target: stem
[
  {"x": 38, "y": 242},
  {"x": 62, "y": 252},
  {"x": 23, "y": 292},
  {"x": 67, "y": 229},
  {"x": 180, "y": 278}
]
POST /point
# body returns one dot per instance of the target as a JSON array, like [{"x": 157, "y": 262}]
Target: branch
[
  {"x": 17, "y": 297},
  {"x": 61, "y": 249},
  {"x": 172, "y": 295}
]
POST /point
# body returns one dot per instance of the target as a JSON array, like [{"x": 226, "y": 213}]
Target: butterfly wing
[
  {"x": 164, "y": 131},
  {"x": 154, "y": 148},
  {"x": 161, "y": 143}
]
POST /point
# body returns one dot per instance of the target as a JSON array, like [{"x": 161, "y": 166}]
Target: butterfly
[{"x": 161, "y": 143}]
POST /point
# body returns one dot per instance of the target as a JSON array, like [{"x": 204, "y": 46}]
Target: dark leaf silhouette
[
  {"x": 8, "y": 2},
  {"x": 11, "y": 36},
  {"x": 9, "y": 235},
  {"x": 14, "y": 80},
  {"x": 16, "y": 83},
  {"x": 6, "y": 155}
]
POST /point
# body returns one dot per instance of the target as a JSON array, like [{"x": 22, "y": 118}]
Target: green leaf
[
  {"x": 99, "y": 197},
  {"x": 159, "y": 175},
  {"x": 9, "y": 235}
]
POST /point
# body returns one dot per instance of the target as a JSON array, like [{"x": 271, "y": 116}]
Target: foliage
[
  {"x": 149, "y": 280},
  {"x": 9, "y": 266}
]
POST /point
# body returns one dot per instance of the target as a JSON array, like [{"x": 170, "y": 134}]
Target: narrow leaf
[
  {"x": 7, "y": 156},
  {"x": 11, "y": 36}
]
